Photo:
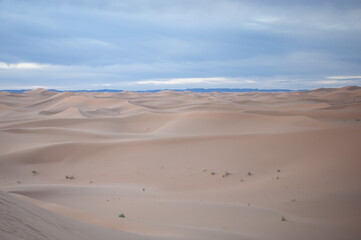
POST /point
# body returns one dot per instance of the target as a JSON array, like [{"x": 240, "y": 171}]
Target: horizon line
[
  {"x": 176, "y": 90},
  {"x": 159, "y": 90}
]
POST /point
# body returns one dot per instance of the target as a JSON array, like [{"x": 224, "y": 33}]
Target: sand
[{"x": 181, "y": 165}]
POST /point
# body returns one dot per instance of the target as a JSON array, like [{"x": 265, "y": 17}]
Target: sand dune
[
  {"x": 21, "y": 220},
  {"x": 181, "y": 165}
]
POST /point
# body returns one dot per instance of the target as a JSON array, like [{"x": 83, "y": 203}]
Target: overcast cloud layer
[{"x": 158, "y": 44}]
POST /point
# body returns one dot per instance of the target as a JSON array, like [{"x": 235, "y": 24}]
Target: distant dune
[
  {"x": 160, "y": 90},
  {"x": 181, "y": 165}
]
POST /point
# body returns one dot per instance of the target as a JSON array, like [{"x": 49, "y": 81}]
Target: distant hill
[
  {"x": 178, "y": 90},
  {"x": 236, "y": 90}
]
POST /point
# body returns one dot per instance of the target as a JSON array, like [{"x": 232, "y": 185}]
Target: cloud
[
  {"x": 191, "y": 74},
  {"x": 250, "y": 81},
  {"x": 83, "y": 44},
  {"x": 334, "y": 82},
  {"x": 103, "y": 85},
  {"x": 117, "y": 32},
  {"x": 19, "y": 87},
  {"x": 178, "y": 81},
  {"x": 344, "y": 77},
  {"x": 205, "y": 81},
  {"x": 24, "y": 65}
]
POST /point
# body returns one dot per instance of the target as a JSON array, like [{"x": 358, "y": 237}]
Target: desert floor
[{"x": 181, "y": 165}]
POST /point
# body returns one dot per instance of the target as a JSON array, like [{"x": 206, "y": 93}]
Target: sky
[{"x": 178, "y": 44}]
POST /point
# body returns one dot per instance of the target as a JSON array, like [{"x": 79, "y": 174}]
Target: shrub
[
  {"x": 34, "y": 172},
  {"x": 69, "y": 177},
  {"x": 226, "y": 174},
  {"x": 249, "y": 174},
  {"x": 121, "y": 215},
  {"x": 283, "y": 219}
]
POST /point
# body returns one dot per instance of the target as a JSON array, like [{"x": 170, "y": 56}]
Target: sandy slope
[
  {"x": 21, "y": 220},
  {"x": 161, "y": 158}
]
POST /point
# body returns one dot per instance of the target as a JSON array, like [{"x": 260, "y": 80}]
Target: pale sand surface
[{"x": 151, "y": 156}]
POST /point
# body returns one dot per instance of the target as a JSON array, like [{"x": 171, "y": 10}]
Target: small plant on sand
[
  {"x": 121, "y": 215},
  {"x": 249, "y": 174},
  {"x": 278, "y": 170},
  {"x": 213, "y": 173},
  {"x": 69, "y": 177},
  {"x": 283, "y": 219},
  {"x": 225, "y": 174},
  {"x": 278, "y": 177},
  {"x": 241, "y": 179},
  {"x": 34, "y": 172}
]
